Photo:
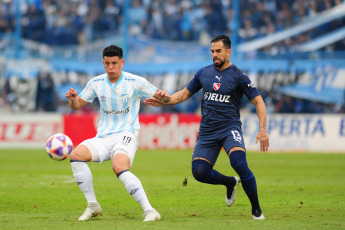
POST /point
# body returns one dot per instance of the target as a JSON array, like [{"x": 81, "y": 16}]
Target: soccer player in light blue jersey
[
  {"x": 223, "y": 86},
  {"x": 119, "y": 96}
]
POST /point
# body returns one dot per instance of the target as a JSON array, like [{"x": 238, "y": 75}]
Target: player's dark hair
[
  {"x": 225, "y": 39},
  {"x": 113, "y": 51}
]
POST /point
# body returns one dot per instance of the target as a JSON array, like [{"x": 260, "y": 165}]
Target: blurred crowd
[
  {"x": 71, "y": 22},
  {"x": 46, "y": 94},
  {"x": 77, "y": 22},
  {"x": 264, "y": 17}
]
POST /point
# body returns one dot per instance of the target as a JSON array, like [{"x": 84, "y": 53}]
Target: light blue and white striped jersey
[{"x": 119, "y": 102}]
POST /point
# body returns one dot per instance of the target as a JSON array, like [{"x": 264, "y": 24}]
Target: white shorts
[{"x": 104, "y": 149}]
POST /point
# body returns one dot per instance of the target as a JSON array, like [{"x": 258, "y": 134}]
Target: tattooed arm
[
  {"x": 179, "y": 97},
  {"x": 176, "y": 98}
]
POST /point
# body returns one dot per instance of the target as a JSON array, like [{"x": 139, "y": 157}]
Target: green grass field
[{"x": 297, "y": 191}]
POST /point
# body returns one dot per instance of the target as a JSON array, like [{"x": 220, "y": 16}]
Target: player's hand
[
  {"x": 163, "y": 96},
  {"x": 153, "y": 102},
  {"x": 262, "y": 136},
  {"x": 71, "y": 94}
]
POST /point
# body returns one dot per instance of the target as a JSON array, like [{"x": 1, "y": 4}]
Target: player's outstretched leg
[
  {"x": 136, "y": 190},
  {"x": 83, "y": 177},
  {"x": 203, "y": 172},
  {"x": 239, "y": 164}
]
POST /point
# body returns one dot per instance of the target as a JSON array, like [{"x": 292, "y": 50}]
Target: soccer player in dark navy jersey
[{"x": 223, "y": 86}]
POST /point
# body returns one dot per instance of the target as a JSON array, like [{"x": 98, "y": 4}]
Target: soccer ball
[{"x": 59, "y": 146}]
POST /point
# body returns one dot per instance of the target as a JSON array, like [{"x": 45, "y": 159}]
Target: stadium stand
[
  {"x": 299, "y": 38},
  {"x": 76, "y": 22}
]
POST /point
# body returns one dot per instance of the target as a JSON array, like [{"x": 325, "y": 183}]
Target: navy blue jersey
[{"x": 222, "y": 94}]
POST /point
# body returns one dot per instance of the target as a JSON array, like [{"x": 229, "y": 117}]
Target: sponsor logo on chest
[
  {"x": 116, "y": 112},
  {"x": 216, "y": 97}
]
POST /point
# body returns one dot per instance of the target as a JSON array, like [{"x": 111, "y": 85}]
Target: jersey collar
[
  {"x": 229, "y": 67},
  {"x": 118, "y": 81}
]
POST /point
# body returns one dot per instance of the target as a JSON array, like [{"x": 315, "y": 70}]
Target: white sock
[
  {"x": 135, "y": 189},
  {"x": 83, "y": 177}
]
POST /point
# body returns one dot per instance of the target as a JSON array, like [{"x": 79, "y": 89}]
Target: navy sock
[
  {"x": 203, "y": 172},
  {"x": 239, "y": 164}
]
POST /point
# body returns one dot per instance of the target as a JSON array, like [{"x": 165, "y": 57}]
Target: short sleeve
[
  {"x": 195, "y": 85},
  {"x": 248, "y": 87},
  {"x": 88, "y": 94},
  {"x": 144, "y": 87}
]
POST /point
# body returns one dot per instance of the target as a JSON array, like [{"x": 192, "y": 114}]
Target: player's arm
[
  {"x": 176, "y": 98},
  {"x": 162, "y": 95},
  {"x": 179, "y": 97},
  {"x": 262, "y": 135},
  {"x": 260, "y": 106},
  {"x": 75, "y": 102}
]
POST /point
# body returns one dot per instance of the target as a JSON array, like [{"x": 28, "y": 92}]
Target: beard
[{"x": 220, "y": 64}]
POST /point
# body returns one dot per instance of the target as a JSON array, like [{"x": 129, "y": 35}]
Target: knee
[
  {"x": 238, "y": 164},
  {"x": 201, "y": 170},
  {"x": 119, "y": 168},
  {"x": 79, "y": 154},
  {"x": 120, "y": 163},
  {"x": 238, "y": 160}
]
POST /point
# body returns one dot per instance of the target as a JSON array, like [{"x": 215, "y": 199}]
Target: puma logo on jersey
[
  {"x": 216, "y": 97},
  {"x": 218, "y": 78}
]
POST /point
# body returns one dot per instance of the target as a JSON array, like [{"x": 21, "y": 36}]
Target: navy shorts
[{"x": 209, "y": 145}]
